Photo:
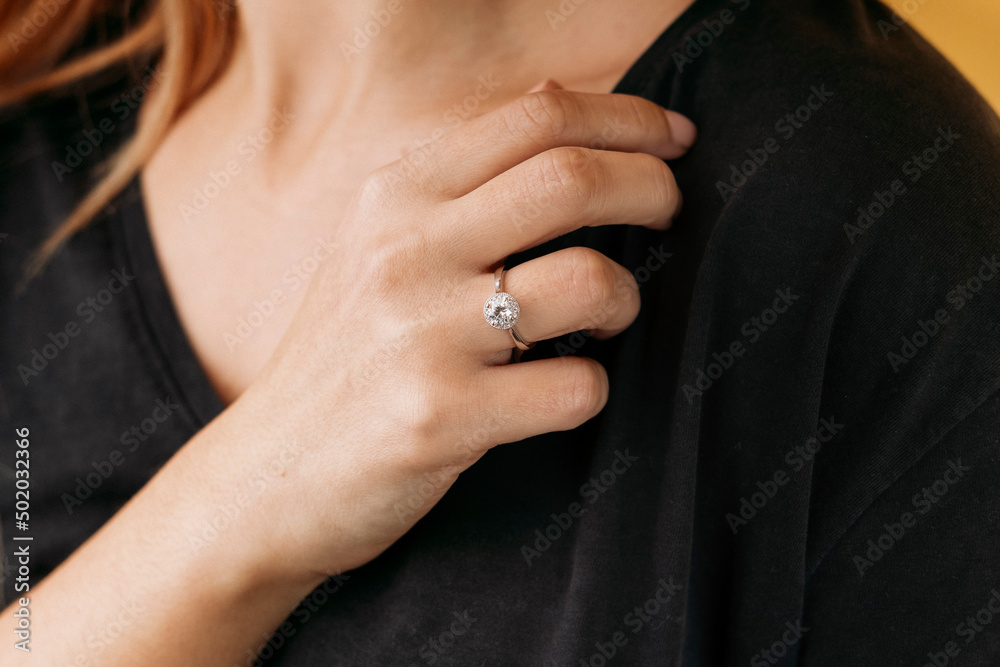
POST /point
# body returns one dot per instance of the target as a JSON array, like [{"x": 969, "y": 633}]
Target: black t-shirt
[{"x": 798, "y": 461}]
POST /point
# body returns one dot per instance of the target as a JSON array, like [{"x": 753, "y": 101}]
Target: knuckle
[
  {"x": 384, "y": 253},
  {"x": 639, "y": 112},
  {"x": 627, "y": 293},
  {"x": 482, "y": 435},
  {"x": 396, "y": 252},
  {"x": 590, "y": 280},
  {"x": 433, "y": 416},
  {"x": 376, "y": 189},
  {"x": 426, "y": 417},
  {"x": 662, "y": 175},
  {"x": 585, "y": 390},
  {"x": 569, "y": 174},
  {"x": 388, "y": 263},
  {"x": 542, "y": 116}
]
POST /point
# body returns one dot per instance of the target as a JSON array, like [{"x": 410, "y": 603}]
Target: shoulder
[
  {"x": 851, "y": 162},
  {"x": 834, "y": 134}
]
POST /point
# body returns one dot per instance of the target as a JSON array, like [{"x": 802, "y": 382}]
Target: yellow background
[{"x": 967, "y": 32}]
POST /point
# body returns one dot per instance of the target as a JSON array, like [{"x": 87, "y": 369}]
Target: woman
[{"x": 282, "y": 299}]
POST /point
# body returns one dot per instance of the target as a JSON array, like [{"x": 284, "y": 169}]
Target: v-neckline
[
  {"x": 163, "y": 332},
  {"x": 164, "y": 335}
]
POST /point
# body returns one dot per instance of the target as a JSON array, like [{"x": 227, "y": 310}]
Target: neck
[{"x": 353, "y": 58}]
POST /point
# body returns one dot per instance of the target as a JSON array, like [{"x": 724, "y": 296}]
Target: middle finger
[{"x": 555, "y": 193}]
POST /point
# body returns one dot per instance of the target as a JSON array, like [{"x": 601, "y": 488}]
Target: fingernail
[
  {"x": 682, "y": 129},
  {"x": 547, "y": 84}
]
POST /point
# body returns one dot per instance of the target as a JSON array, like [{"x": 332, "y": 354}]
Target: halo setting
[{"x": 501, "y": 311}]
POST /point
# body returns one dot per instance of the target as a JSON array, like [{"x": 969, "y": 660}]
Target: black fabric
[{"x": 798, "y": 462}]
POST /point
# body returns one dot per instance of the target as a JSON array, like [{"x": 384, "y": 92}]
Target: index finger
[{"x": 489, "y": 145}]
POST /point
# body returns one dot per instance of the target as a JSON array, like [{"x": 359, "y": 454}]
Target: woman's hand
[
  {"x": 387, "y": 385},
  {"x": 390, "y": 382}
]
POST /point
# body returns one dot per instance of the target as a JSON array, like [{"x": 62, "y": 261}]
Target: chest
[{"x": 237, "y": 259}]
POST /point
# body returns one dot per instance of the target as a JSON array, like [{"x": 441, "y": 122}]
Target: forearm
[{"x": 173, "y": 578}]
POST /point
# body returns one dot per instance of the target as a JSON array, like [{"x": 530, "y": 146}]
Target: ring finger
[{"x": 565, "y": 291}]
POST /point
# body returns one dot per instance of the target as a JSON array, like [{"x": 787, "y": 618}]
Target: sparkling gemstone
[{"x": 501, "y": 311}]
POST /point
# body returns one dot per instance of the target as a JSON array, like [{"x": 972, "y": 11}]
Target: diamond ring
[{"x": 502, "y": 311}]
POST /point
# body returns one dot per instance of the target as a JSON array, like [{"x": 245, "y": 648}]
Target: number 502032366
[{"x": 22, "y": 550}]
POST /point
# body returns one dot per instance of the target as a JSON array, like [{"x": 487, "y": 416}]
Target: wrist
[{"x": 248, "y": 468}]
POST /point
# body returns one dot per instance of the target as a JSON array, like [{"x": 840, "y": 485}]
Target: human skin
[{"x": 384, "y": 374}]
